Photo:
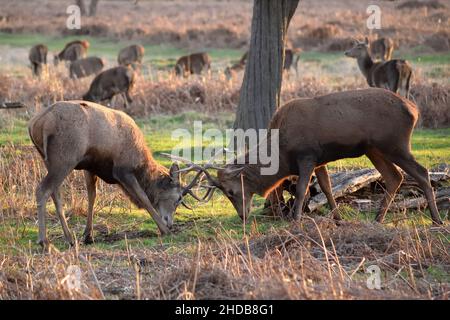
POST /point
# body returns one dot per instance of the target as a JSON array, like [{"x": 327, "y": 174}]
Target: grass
[
  {"x": 210, "y": 241},
  {"x": 161, "y": 56},
  {"x": 205, "y": 222}
]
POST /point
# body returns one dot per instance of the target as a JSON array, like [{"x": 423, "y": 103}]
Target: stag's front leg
[
  {"x": 325, "y": 184},
  {"x": 91, "y": 185},
  {"x": 305, "y": 170}
]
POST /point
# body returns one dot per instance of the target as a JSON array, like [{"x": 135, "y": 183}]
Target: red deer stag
[
  {"x": 85, "y": 67},
  {"x": 74, "y": 50},
  {"x": 394, "y": 75},
  {"x": 194, "y": 63},
  {"x": 131, "y": 55},
  {"x": 105, "y": 143},
  {"x": 382, "y": 49},
  {"x": 38, "y": 58},
  {"x": 312, "y": 132},
  {"x": 106, "y": 85}
]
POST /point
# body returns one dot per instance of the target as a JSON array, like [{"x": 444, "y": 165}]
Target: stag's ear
[{"x": 174, "y": 172}]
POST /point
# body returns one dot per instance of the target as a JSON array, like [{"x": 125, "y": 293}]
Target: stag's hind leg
[
  {"x": 392, "y": 178},
  {"x": 325, "y": 184},
  {"x": 406, "y": 161},
  {"x": 48, "y": 186},
  {"x": 91, "y": 185}
]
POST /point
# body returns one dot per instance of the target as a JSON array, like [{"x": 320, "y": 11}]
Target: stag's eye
[{"x": 230, "y": 193}]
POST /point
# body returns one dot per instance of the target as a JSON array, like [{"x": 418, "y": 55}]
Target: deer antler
[{"x": 201, "y": 172}]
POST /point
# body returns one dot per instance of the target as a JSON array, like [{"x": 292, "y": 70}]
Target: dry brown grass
[
  {"x": 223, "y": 24},
  {"x": 315, "y": 259},
  {"x": 162, "y": 92}
]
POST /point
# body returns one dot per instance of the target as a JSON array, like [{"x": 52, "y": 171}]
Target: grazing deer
[
  {"x": 394, "y": 75},
  {"x": 312, "y": 132},
  {"x": 291, "y": 59},
  {"x": 194, "y": 63},
  {"x": 106, "y": 85},
  {"x": 38, "y": 58},
  {"x": 237, "y": 67},
  {"x": 85, "y": 67},
  {"x": 105, "y": 143},
  {"x": 131, "y": 55},
  {"x": 382, "y": 49},
  {"x": 73, "y": 50}
]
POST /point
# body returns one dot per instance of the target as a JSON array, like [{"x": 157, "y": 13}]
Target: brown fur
[
  {"x": 106, "y": 85},
  {"x": 313, "y": 132},
  {"x": 291, "y": 59},
  {"x": 194, "y": 63},
  {"x": 394, "y": 75},
  {"x": 382, "y": 49},
  {"x": 38, "y": 58},
  {"x": 77, "y": 135},
  {"x": 85, "y": 67},
  {"x": 72, "y": 51},
  {"x": 131, "y": 55}
]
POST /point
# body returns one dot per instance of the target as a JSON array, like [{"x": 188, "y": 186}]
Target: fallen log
[
  {"x": 12, "y": 105},
  {"x": 344, "y": 183},
  {"x": 348, "y": 182},
  {"x": 442, "y": 201}
]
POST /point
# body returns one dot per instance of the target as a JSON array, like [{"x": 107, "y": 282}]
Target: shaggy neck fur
[
  {"x": 260, "y": 184},
  {"x": 150, "y": 176},
  {"x": 365, "y": 63}
]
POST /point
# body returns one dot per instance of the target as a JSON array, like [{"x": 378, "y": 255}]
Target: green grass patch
[{"x": 430, "y": 146}]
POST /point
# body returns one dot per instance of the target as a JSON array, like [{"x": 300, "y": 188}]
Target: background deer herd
[{"x": 86, "y": 132}]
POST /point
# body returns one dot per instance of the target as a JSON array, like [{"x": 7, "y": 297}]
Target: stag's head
[
  {"x": 232, "y": 182},
  {"x": 360, "y": 49},
  {"x": 169, "y": 195}
]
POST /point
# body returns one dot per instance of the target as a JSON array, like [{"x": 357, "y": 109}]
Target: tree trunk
[
  {"x": 80, "y": 4},
  {"x": 260, "y": 91},
  {"x": 93, "y": 8}
]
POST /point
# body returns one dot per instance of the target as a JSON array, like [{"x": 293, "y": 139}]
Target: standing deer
[
  {"x": 131, "y": 55},
  {"x": 85, "y": 67},
  {"x": 73, "y": 50},
  {"x": 312, "y": 132},
  {"x": 291, "y": 58},
  {"x": 194, "y": 63},
  {"x": 105, "y": 143},
  {"x": 106, "y": 85},
  {"x": 394, "y": 75},
  {"x": 382, "y": 49},
  {"x": 38, "y": 58}
]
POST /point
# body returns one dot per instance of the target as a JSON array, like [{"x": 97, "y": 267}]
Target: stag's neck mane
[
  {"x": 365, "y": 64},
  {"x": 263, "y": 184},
  {"x": 149, "y": 175}
]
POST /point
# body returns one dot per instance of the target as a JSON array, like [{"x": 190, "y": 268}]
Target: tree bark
[
  {"x": 93, "y": 8},
  {"x": 80, "y": 4},
  {"x": 260, "y": 91}
]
